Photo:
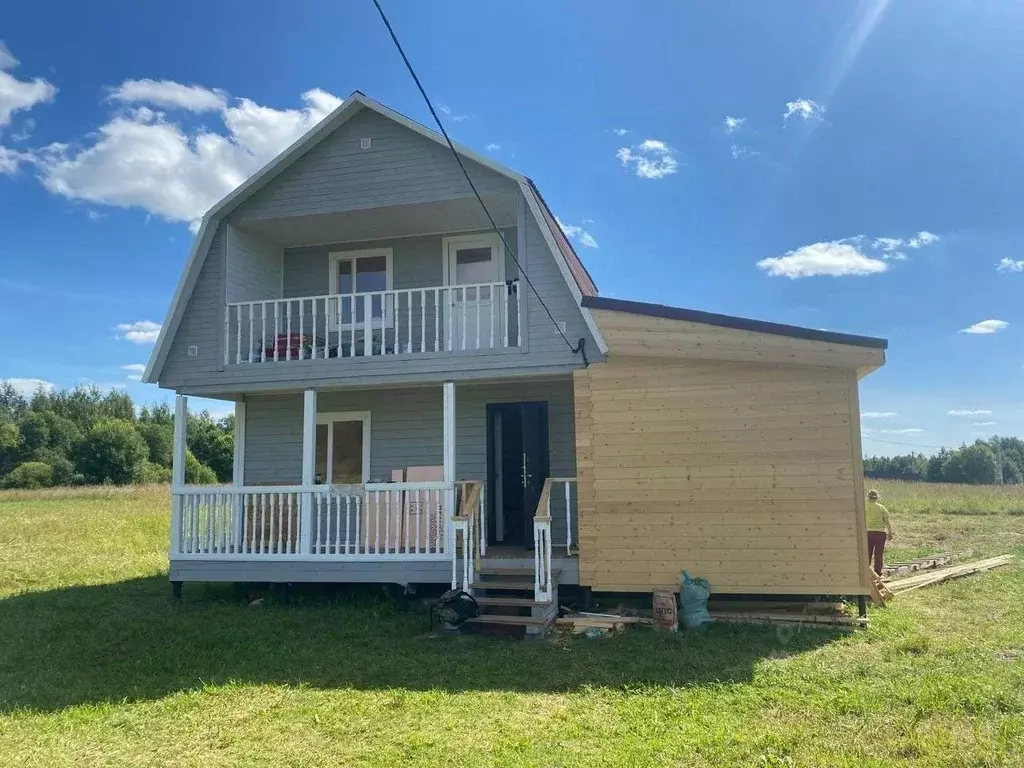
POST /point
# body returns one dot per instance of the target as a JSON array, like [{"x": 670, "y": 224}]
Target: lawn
[{"x": 99, "y": 666}]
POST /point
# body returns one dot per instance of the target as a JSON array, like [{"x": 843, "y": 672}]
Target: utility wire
[
  {"x": 909, "y": 445},
  {"x": 575, "y": 349}
]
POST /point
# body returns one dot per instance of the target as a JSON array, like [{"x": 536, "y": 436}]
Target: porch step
[
  {"x": 510, "y": 585},
  {"x": 508, "y": 602},
  {"x": 510, "y": 570}
]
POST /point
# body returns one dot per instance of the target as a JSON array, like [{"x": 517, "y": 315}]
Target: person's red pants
[{"x": 876, "y": 546}]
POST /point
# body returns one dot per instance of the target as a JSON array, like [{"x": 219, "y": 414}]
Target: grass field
[{"x": 99, "y": 666}]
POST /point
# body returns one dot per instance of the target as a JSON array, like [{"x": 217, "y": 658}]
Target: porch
[{"x": 346, "y": 486}]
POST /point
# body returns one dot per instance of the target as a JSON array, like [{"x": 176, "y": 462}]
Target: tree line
[
  {"x": 996, "y": 461},
  {"x": 86, "y": 436}
]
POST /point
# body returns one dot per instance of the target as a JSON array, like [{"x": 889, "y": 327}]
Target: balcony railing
[{"x": 485, "y": 316}]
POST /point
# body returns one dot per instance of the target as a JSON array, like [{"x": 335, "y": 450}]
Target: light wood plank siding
[
  {"x": 401, "y": 167},
  {"x": 631, "y": 334},
  {"x": 254, "y": 266},
  {"x": 744, "y": 473}
]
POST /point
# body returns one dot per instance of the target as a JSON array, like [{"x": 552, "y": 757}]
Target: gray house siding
[
  {"x": 202, "y": 323},
  {"x": 406, "y": 430},
  {"x": 401, "y": 167},
  {"x": 254, "y": 267}
]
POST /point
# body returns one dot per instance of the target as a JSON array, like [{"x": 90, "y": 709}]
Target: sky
[{"x": 854, "y": 167}]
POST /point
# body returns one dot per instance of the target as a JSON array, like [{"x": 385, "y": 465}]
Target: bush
[
  {"x": 971, "y": 465},
  {"x": 197, "y": 473},
  {"x": 154, "y": 473},
  {"x": 113, "y": 452},
  {"x": 160, "y": 439},
  {"x": 31, "y": 474}
]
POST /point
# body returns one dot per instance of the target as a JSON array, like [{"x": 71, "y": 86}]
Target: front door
[
  {"x": 473, "y": 264},
  {"x": 517, "y": 460}
]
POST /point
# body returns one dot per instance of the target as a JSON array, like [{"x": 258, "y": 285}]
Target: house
[{"x": 422, "y": 397}]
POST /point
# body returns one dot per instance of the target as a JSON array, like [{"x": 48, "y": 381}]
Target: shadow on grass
[{"x": 131, "y": 641}]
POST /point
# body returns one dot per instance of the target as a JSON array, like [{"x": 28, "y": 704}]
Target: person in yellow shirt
[{"x": 879, "y": 529}]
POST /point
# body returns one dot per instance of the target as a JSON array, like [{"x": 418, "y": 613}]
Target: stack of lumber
[
  {"x": 598, "y": 623},
  {"x": 945, "y": 574},
  {"x": 894, "y": 570},
  {"x": 776, "y": 612}
]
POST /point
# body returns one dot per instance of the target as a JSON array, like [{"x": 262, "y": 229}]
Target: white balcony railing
[
  {"x": 399, "y": 322},
  {"x": 376, "y": 520}
]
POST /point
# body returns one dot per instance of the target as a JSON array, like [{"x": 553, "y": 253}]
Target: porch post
[
  {"x": 308, "y": 468},
  {"x": 238, "y": 475},
  {"x": 178, "y": 469},
  {"x": 449, "y": 457}
]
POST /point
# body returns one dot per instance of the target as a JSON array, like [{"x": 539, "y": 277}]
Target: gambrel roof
[{"x": 577, "y": 278}]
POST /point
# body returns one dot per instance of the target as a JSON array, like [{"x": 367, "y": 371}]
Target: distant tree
[
  {"x": 933, "y": 473},
  {"x": 159, "y": 413},
  {"x": 160, "y": 439},
  {"x": 213, "y": 443},
  {"x": 971, "y": 464},
  {"x": 197, "y": 473},
  {"x": 31, "y": 474},
  {"x": 10, "y": 444},
  {"x": 112, "y": 452},
  {"x": 154, "y": 473},
  {"x": 12, "y": 404}
]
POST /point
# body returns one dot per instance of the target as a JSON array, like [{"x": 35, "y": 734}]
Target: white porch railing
[
  {"x": 397, "y": 322},
  {"x": 556, "y": 491},
  {"x": 372, "y": 521}
]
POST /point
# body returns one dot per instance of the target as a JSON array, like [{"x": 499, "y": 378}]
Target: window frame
[
  {"x": 479, "y": 240},
  {"x": 334, "y": 258},
  {"x": 329, "y": 418}
]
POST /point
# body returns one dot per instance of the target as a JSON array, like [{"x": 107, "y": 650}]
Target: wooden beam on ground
[{"x": 945, "y": 574}]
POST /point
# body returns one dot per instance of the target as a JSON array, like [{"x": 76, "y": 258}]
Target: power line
[
  {"x": 575, "y": 349},
  {"x": 908, "y": 445}
]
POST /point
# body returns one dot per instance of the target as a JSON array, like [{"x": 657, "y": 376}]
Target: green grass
[{"x": 99, "y": 666}]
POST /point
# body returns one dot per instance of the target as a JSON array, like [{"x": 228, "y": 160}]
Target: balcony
[{"x": 450, "y": 319}]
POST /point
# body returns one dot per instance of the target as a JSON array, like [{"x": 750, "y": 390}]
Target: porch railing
[
  {"x": 556, "y": 490},
  {"x": 375, "y": 520},
  {"x": 397, "y": 322}
]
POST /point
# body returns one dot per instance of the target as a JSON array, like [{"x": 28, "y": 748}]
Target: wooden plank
[
  {"x": 826, "y": 483},
  {"x": 696, "y": 471},
  {"x": 853, "y": 398}
]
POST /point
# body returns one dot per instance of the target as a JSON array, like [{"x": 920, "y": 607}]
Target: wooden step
[
  {"x": 510, "y": 570},
  {"x": 517, "y": 602},
  {"x": 511, "y": 585},
  {"x": 513, "y": 621}
]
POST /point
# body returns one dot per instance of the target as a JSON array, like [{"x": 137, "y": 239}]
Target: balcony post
[
  {"x": 178, "y": 469},
  {"x": 238, "y": 475},
  {"x": 308, "y": 468}
]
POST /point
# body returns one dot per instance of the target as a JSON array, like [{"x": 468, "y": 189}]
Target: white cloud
[
  {"x": 923, "y": 237},
  {"x": 141, "y": 332},
  {"x": 143, "y": 159},
  {"x": 976, "y": 412},
  {"x": 28, "y": 387},
  {"x": 15, "y": 94},
  {"x": 984, "y": 423},
  {"x": 738, "y": 152},
  {"x": 493, "y": 147},
  {"x": 1010, "y": 265},
  {"x": 620, "y": 131},
  {"x": 28, "y": 125},
  {"x": 573, "y": 232},
  {"x": 95, "y": 215},
  {"x": 889, "y": 246},
  {"x": 804, "y": 109},
  {"x": 169, "y": 94},
  {"x": 9, "y": 160},
  {"x": 835, "y": 259},
  {"x": 446, "y": 110},
  {"x": 134, "y": 371},
  {"x": 651, "y": 159},
  {"x": 878, "y": 415},
  {"x": 733, "y": 124},
  {"x": 985, "y": 327},
  {"x": 908, "y": 431}
]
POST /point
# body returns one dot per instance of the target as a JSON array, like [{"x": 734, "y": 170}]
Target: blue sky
[{"x": 903, "y": 118}]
